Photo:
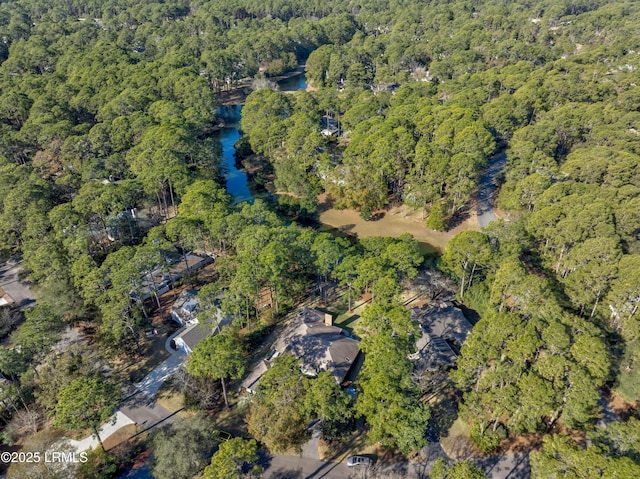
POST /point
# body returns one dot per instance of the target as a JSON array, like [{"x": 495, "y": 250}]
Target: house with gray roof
[
  {"x": 185, "y": 309},
  {"x": 188, "y": 339},
  {"x": 321, "y": 346},
  {"x": 444, "y": 329}
]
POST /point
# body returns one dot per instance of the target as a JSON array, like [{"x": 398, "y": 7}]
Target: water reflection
[
  {"x": 237, "y": 181},
  {"x": 294, "y": 83}
]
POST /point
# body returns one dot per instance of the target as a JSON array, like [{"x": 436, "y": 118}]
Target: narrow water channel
[{"x": 237, "y": 180}]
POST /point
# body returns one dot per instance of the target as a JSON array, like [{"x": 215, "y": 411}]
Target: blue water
[
  {"x": 237, "y": 182},
  {"x": 294, "y": 83}
]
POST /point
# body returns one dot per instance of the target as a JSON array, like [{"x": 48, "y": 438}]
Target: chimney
[{"x": 328, "y": 319}]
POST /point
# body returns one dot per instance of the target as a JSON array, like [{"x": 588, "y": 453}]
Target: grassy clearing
[
  {"x": 394, "y": 222},
  {"x": 232, "y": 420},
  {"x": 338, "y": 451},
  {"x": 172, "y": 400},
  {"x": 121, "y": 435},
  {"x": 457, "y": 444}
]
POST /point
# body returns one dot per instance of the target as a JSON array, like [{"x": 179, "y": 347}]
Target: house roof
[
  {"x": 5, "y": 299},
  {"x": 186, "y": 306},
  {"x": 184, "y": 298},
  {"x": 251, "y": 381},
  {"x": 442, "y": 325},
  {"x": 192, "y": 335},
  {"x": 319, "y": 346}
]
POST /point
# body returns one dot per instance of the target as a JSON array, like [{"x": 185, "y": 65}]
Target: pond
[
  {"x": 293, "y": 83},
  {"x": 238, "y": 186}
]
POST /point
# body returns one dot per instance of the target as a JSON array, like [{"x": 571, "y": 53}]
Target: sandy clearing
[{"x": 395, "y": 222}]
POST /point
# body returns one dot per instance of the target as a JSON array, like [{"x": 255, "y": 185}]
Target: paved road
[
  {"x": 513, "y": 466},
  {"x": 295, "y": 467},
  {"x": 19, "y": 291},
  {"x": 487, "y": 189}
]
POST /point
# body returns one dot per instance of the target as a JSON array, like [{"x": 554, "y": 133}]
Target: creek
[{"x": 237, "y": 180}]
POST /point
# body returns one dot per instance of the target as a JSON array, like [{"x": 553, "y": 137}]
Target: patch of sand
[
  {"x": 395, "y": 222},
  {"x": 621, "y": 406}
]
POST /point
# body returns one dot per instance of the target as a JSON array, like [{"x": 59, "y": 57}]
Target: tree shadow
[
  {"x": 347, "y": 322},
  {"x": 443, "y": 414},
  {"x": 326, "y": 205},
  {"x": 347, "y": 230},
  {"x": 284, "y": 473},
  {"x": 457, "y": 219}
]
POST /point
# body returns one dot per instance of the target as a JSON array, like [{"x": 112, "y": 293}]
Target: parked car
[{"x": 358, "y": 461}]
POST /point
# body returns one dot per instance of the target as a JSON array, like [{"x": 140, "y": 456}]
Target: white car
[{"x": 358, "y": 461}]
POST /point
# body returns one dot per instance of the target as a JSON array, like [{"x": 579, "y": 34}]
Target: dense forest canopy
[{"x": 108, "y": 169}]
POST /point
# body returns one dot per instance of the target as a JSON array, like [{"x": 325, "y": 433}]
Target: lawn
[
  {"x": 457, "y": 444},
  {"x": 121, "y": 435},
  {"x": 173, "y": 400},
  {"x": 338, "y": 451}
]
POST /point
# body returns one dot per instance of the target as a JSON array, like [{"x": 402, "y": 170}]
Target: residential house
[
  {"x": 321, "y": 346},
  {"x": 188, "y": 339},
  {"x": 185, "y": 308},
  {"x": 444, "y": 330},
  {"x": 329, "y": 126}
]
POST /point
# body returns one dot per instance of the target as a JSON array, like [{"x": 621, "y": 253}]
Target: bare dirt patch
[
  {"x": 121, "y": 435},
  {"x": 623, "y": 408}
]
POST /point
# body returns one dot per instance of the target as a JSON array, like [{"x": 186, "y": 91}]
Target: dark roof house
[
  {"x": 188, "y": 339},
  {"x": 444, "y": 329},
  {"x": 312, "y": 338}
]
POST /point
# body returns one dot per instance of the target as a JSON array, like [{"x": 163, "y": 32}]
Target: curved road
[{"x": 488, "y": 187}]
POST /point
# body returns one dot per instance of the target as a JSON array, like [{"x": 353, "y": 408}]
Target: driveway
[
  {"x": 152, "y": 381},
  {"x": 9, "y": 282},
  {"x": 296, "y": 467},
  {"x": 145, "y": 412},
  {"x": 139, "y": 407},
  {"x": 487, "y": 188},
  {"x": 117, "y": 421}
]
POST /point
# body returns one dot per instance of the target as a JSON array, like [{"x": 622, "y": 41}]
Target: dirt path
[{"x": 395, "y": 222}]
